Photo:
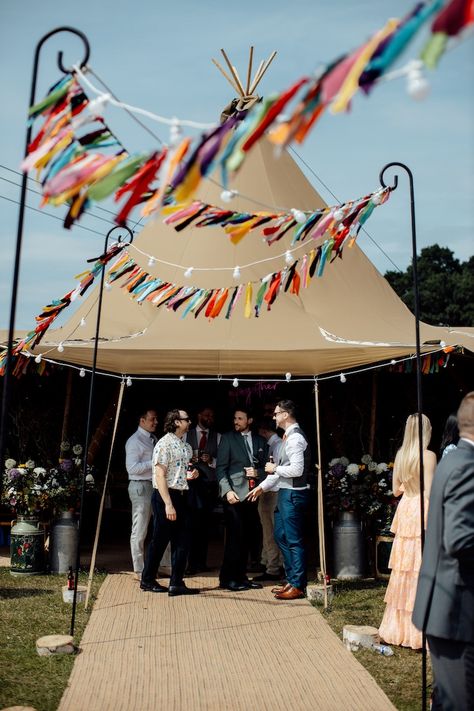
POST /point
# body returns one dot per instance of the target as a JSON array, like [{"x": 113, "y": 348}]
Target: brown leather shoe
[
  {"x": 281, "y": 588},
  {"x": 290, "y": 594}
]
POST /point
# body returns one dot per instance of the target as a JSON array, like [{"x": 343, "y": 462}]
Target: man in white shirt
[
  {"x": 138, "y": 462},
  {"x": 272, "y": 558},
  {"x": 290, "y": 475}
]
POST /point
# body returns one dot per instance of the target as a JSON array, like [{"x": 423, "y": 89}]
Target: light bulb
[
  {"x": 418, "y": 87},
  {"x": 108, "y": 286},
  {"x": 342, "y": 378},
  {"x": 61, "y": 348},
  {"x": 181, "y": 377},
  {"x": 376, "y": 198},
  {"x": 393, "y": 362},
  {"x": 299, "y": 215},
  {"x": 128, "y": 382},
  {"x": 228, "y": 195},
  {"x": 188, "y": 272},
  {"x": 38, "y": 358},
  {"x": 83, "y": 322},
  {"x": 235, "y": 382},
  {"x": 82, "y": 373},
  {"x": 175, "y": 133},
  {"x": 236, "y": 273},
  {"x": 151, "y": 261},
  {"x": 288, "y": 257},
  {"x": 338, "y": 215},
  {"x": 288, "y": 377},
  {"x": 442, "y": 344}
]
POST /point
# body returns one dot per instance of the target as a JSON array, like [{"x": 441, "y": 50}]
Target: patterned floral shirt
[{"x": 174, "y": 454}]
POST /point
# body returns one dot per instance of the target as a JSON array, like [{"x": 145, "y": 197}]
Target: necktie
[
  {"x": 153, "y": 439},
  {"x": 247, "y": 445},
  {"x": 203, "y": 440}
]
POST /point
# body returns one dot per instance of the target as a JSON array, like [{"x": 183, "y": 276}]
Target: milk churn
[
  {"x": 27, "y": 546},
  {"x": 349, "y": 554},
  {"x": 64, "y": 542}
]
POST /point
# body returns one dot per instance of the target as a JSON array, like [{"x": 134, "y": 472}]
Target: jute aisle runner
[{"x": 217, "y": 651}]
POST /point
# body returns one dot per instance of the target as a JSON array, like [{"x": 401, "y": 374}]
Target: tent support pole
[
  {"x": 321, "y": 534},
  {"x": 89, "y": 414},
  {"x": 19, "y": 233},
  {"x": 104, "y": 491},
  {"x": 418, "y": 381}
]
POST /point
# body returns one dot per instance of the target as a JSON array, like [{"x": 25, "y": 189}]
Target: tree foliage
[{"x": 446, "y": 287}]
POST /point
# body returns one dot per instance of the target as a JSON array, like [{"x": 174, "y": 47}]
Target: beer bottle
[
  {"x": 189, "y": 470},
  {"x": 70, "y": 579}
]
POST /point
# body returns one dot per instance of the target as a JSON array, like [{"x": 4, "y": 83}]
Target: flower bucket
[
  {"x": 64, "y": 542},
  {"x": 349, "y": 553},
  {"x": 27, "y": 546}
]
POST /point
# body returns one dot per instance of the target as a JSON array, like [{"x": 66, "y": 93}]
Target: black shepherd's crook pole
[
  {"x": 129, "y": 240},
  {"x": 418, "y": 382},
  {"x": 19, "y": 233}
]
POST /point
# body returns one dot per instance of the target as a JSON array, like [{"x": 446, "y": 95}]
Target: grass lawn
[
  {"x": 31, "y": 607},
  {"x": 361, "y": 603}
]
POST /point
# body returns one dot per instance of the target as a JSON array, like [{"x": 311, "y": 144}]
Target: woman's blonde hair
[{"x": 407, "y": 461}]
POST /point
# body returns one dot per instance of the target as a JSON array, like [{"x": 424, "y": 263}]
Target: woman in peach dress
[{"x": 405, "y": 559}]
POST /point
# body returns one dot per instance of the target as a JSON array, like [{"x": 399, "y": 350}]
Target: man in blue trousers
[{"x": 290, "y": 475}]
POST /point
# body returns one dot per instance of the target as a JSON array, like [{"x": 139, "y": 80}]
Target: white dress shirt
[
  {"x": 138, "y": 455},
  {"x": 295, "y": 445}
]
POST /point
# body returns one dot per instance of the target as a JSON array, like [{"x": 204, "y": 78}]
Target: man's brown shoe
[
  {"x": 290, "y": 594},
  {"x": 281, "y": 588}
]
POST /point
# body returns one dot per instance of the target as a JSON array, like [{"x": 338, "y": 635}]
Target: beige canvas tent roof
[{"x": 352, "y": 300}]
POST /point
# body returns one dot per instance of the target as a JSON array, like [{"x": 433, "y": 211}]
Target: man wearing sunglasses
[
  {"x": 290, "y": 475},
  {"x": 171, "y": 519}
]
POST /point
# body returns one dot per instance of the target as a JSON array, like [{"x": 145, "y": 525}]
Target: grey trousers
[
  {"x": 453, "y": 671},
  {"x": 272, "y": 558},
  {"x": 140, "y": 495}
]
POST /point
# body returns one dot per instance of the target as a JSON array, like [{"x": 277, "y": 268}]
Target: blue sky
[{"x": 158, "y": 56}]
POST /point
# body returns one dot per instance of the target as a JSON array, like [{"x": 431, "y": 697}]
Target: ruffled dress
[{"x": 405, "y": 561}]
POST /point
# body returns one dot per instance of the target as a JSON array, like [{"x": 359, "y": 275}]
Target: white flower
[
  {"x": 89, "y": 477},
  {"x": 64, "y": 446},
  {"x": 77, "y": 449},
  {"x": 39, "y": 470},
  {"x": 334, "y": 461},
  {"x": 344, "y": 460},
  {"x": 371, "y": 466},
  {"x": 352, "y": 469},
  {"x": 382, "y": 484},
  {"x": 389, "y": 492},
  {"x": 10, "y": 464},
  {"x": 78, "y": 461},
  {"x": 30, "y": 464},
  {"x": 366, "y": 459},
  {"x": 382, "y": 467}
]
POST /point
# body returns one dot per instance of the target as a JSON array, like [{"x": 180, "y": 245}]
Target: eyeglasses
[
  {"x": 278, "y": 412},
  {"x": 186, "y": 419}
]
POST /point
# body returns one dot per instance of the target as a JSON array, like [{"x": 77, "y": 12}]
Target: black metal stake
[
  {"x": 89, "y": 414},
  {"x": 418, "y": 383},
  {"x": 19, "y": 234}
]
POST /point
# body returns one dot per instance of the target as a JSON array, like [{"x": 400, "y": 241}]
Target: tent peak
[{"x": 246, "y": 96}]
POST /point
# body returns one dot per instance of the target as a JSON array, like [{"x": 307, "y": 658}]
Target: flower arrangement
[
  {"x": 29, "y": 489},
  {"x": 364, "y": 487}
]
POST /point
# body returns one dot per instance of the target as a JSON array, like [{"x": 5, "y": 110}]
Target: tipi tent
[{"x": 351, "y": 301}]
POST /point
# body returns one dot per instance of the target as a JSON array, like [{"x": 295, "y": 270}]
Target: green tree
[{"x": 446, "y": 287}]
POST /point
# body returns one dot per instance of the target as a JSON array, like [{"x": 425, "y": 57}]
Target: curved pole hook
[
  {"x": 395, "y": 177},
  {"x": 121, "y": 238},
  {"x": 73, "y": 31}
]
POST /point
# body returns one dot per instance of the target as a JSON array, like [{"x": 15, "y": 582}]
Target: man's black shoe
[
  {"x": 181, "y": 590},
  {"x": 267, "y": 576},
  {"x": 251, "y": 585},
  {"x": 234, "y": 586},
  {"x": 153, "y": 587}
]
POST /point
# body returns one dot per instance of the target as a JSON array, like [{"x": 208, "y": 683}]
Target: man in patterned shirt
[{"x": 171, "y": 457}]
